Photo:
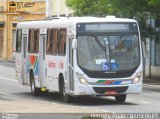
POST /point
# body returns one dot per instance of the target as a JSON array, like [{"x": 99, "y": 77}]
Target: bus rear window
[
  {"x": 18, "y": 40},
  {"x": 31, "y": 41},
  {"x": 52, "y": 38},
  {"x": 36, "y": 43},
  {"x": 62, "y": 42}
]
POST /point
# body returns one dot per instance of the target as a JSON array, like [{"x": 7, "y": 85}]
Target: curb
[
  {"x": 149, "y": 85},
  {"x": 7, "y": 61}
]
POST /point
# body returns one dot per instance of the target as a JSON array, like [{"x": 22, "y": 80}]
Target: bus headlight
[
  {"x": 82, "y": 79},
  {"x": 137, "y": 77}
]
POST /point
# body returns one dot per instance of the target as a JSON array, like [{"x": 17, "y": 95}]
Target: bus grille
[{"x": 103, "y": 90}]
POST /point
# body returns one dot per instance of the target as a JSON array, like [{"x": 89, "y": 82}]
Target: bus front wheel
[
  {"x": 120, "y": 98},
  {"x": 63, "y": 95},
  {"x": 35, "y": 91}
]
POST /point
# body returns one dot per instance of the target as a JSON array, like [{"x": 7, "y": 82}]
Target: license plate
[{"x": 111, "y": 92}]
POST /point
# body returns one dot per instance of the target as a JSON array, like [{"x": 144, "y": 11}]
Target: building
[
  {"x": 152, "y": 51},
  {"x": 58, "y": 8},
  {"x": 12, "y": 12}
]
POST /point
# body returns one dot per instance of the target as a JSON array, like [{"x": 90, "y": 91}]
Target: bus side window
[
  {"x": 53, "y": 42},
  {"x": 18, "y": 40},
  {"x": 36, "y": 48},
  {"x": 31, "y": 41},
  {"x": 48, "y": 42},
  {"x": 62, "y": 46}
]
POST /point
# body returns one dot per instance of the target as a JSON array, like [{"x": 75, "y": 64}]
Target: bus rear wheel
[
  {"x": 35, "y": 91},
  {"x": 120, "y": 98},
  {"x": 63, "y": 95}
]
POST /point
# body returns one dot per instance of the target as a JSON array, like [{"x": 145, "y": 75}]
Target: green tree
[
  {"x": 141, "y": 10},
  {"x": 88, "y": 7},
  {"x": 124, "y": 8},
  {"x": 104, "y": 7}
]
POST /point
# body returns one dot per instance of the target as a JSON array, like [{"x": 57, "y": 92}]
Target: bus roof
[{"x": 68, "y": 21}]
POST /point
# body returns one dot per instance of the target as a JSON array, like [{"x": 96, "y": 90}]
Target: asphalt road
[{"x": 15, "y": 99}]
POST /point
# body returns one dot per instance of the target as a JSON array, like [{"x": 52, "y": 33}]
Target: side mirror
[{"x": 74, "y": 43}]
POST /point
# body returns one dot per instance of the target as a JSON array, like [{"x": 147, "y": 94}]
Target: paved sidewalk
[
  {"x": 8, "y": 63},
  {"x": 155, "y": 82}
]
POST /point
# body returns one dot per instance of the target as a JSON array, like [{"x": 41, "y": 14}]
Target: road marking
[
  {"x": 105, "y": 111},
  {"x": 146, "y": 85},
  {"x": 8, "y": 79},
  {"x": 47, "y": 102},
  {"x": 129, "y": 99},
  {"x": 7, "y": 67},
  {"x": 3, "y": 93},
  {"x": 145, "y": 102},
  {"x": 146, "y": 94}
]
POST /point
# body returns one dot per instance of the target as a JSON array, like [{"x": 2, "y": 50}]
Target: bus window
[
  {"x": 37, "y": 41},
  {"x": 48, "y": 44},
  {"x": 18, "y": 40},
  {"x": 53, "y": 42},
  {"x": 31, "y": 41},
  {"x": 62, "y": 46}
]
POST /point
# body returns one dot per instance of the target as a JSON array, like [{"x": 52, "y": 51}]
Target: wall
[
  {"x": 60, "y": 9},
  {"x": 15, "y": 11},
  {"x": 152, "y": 57}
]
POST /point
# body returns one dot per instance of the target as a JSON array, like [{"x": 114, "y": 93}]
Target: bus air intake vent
[{"x": 103, "y": 90}]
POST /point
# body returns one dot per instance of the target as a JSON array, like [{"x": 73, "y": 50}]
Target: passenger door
[
  {"x": 70, "y": 67},
  {"x": 24, "y": 55},
  {"x": 42, "y": 54}
]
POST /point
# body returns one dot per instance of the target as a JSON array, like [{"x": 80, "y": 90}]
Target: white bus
[{"x": 80, "y": 56}]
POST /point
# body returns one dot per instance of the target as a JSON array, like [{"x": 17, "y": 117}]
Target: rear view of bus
[{"x": 108, "y": 58}]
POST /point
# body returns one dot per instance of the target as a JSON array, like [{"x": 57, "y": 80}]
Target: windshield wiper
[
  {"x": 99, "y": 43},
  {"x": 120, "y": 40},
  {"x": 105, "y": 48}
]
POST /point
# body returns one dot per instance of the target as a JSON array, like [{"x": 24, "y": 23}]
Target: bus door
[
  {"x": 24, "y": 55},
  {"x": 70, "y": 70},
  {"x": 42, "y": 53}
]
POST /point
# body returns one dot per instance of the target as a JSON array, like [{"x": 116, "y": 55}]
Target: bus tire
[
  {"x": 35, "y": 91},
  {"x": 63, "y": 95},
  {"x": 120, "y": 98}
]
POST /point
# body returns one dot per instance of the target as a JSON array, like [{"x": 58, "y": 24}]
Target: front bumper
[{"x": 81, "y": 89}]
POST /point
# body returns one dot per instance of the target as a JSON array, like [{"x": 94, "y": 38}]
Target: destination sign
[
  {"x": 106, "y": 27},
  {"x": 100, "y": 27}
]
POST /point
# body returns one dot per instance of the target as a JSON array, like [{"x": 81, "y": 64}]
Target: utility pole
[
  {"x": 58, "y": 8},
  {"x": 6, "y": 42},
  {"x": 49, "y": 8}
]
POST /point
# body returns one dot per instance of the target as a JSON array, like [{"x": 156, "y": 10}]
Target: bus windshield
[{"x": 115, "y": 52}]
